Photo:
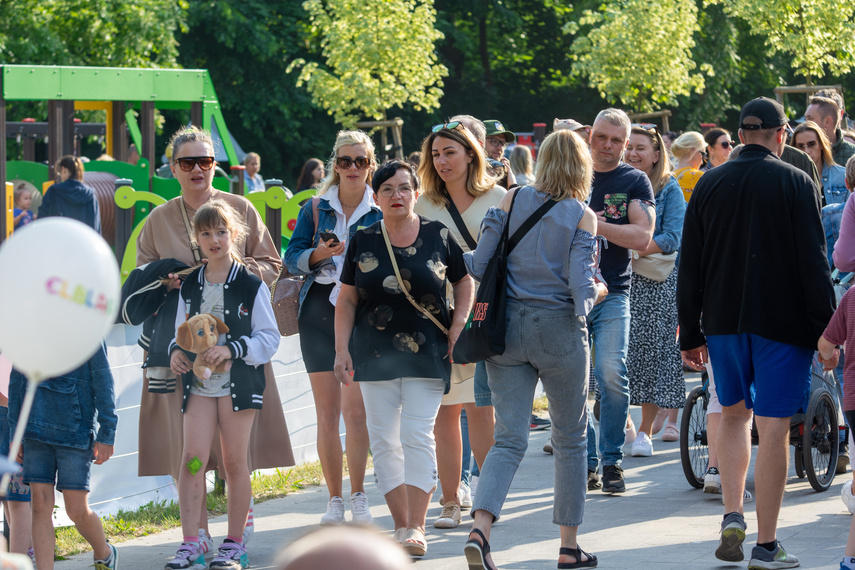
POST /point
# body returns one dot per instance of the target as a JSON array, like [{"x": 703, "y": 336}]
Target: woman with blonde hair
[
  {"x": 522, "y": 164},
  {"x": 458, "y": 192},
  {"x": 325, "y": 225},
  {"x": 653, "y": 362},
  {"x": 689, "y": 151},
  {"x": 551, "y": 289}
]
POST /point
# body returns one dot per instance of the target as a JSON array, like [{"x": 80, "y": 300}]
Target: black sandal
[
  {"x": 591, "y": 561},
  {"x": 476, "y": 553}
]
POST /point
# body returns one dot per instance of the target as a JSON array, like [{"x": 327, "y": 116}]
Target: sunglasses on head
[
  {"x": 188, "y": 162},
  {"x": 646, "y": 127},
  {"x": 345, "y": 162},
  {"x": 452, "y": 126}
]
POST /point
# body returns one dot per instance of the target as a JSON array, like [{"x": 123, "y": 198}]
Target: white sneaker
[
  {"x": 249, "y": 529},
  {"x": 359, "y": 513},
  {"x": 465, "y": 496},
  {"x": 847, "y": 497},
  {"x": 450, "y": 516},
  {"x": 335, "y": 512},
  {"x": 642, "y": 446},
  {"x": 206, "y": 543},
  {"x": 747, "y": 497},
  {"x": 712, "y": 481}
]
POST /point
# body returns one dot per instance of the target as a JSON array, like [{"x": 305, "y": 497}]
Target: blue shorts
[
  {"x": 773, "y": 378},
  {"x": 67, "y": 468},
  {"x": 17, "y": 490},
  {"x": 483, "y": 396}
]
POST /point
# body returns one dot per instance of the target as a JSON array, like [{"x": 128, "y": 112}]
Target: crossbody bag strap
[
  {"x": 461, "y": 225},
  {"x": 412, "y": 301},
  {"x": 194, "y": 247},
  {"x": 529, "y": 223}
]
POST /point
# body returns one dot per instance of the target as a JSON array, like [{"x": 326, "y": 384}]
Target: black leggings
[{"x": 317, "y": 329}]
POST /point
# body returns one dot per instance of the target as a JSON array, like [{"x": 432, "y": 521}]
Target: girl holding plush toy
[{"x": 225, "y": 317}]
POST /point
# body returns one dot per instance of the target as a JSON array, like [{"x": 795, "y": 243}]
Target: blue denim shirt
[
  {"x": 831, "y": 217},
  {"x": 67, "y": 408},
  {"x": 670, "y": 210},
  {"x": 304, "y": 241},
  {"x": 834, "y": 184},
  {"x": 553, "y": 265}
]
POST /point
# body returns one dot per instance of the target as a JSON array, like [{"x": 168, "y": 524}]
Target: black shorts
[{"x": 317, "y": 329}]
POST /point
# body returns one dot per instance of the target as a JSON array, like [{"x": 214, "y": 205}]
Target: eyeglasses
[
  {"x": 646, "y": 127},
  {"x": 496, "y": 142},
  {"x": 345, "y": 162},
  {"x": 726, "y": 144},
  {"x": 452, "y": 126},
  {"x": 806, "y": 145},
  {"x": 187, "y": 163},
  {"x": 389, "y": 192}
]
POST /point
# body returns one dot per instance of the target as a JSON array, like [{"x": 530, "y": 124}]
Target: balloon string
[{"x": 32, "y": 385}]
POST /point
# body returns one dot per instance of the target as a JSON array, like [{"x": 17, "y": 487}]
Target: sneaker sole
[
  {"x": 712, "y": 488},
  {"x": 730, "y": 547},
  {"x": 642, "y": 453},
  {"x": 446, "y": 523},
  {"x": 755, "y": 564}
]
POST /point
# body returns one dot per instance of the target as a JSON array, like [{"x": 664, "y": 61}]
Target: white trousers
[{"x": 400, "y": 414}]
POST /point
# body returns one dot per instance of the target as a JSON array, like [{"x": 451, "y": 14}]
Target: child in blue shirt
[
  {"x": 23, "y": 201},
  {"x": 72, "y": 423}
]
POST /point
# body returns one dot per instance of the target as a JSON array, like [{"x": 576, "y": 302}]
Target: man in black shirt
[
  {"x": 622, "y": 198},
  {"x": 750, "y": 219}
]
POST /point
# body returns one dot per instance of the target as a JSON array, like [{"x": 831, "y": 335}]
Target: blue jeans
[
  {"x": 482, "y": 388},
  {"x": 553, "y": 345},
  {"x": 608, "y": 326}
]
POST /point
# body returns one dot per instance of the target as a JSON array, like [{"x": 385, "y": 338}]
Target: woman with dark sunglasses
[
  {"x": 719, "y": 145},
  {"x": 454, "y": 176},
  {"x": 165, "y": 236},
  {"x": 324, "y": 227},
  {"x": 689, "y": 151}
]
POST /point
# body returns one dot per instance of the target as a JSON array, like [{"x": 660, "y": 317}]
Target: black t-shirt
[
  {"x": 391, "y": 338},
  {"x": 612, "y": 192}
]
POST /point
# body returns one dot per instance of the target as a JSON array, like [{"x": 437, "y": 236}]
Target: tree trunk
[{"x": 482, "y": 34}]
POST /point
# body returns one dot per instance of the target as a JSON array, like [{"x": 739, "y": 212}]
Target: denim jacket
[
  {"x": 67, "y": 409},
  {"x": 834, "y": 184},
  {"x": 670, "y": 210},
  {"x": 303, "y": 242}
]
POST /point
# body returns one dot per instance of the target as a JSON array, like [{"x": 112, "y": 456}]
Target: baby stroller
[{"x": 814, "y": 434}]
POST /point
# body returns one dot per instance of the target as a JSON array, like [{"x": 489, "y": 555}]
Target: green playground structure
[{"x": 129, "y": 96}]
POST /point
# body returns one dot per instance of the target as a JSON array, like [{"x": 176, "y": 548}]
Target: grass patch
[
  {"x": 541, "y": 404},
  {"x": 155, "y": 517}
]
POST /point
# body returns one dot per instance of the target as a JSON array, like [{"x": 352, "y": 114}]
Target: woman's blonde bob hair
[
  {"x": 687, "y": 144},
  {"x": 564, "y": 166},
  {"x": 347, "y": 138},
  {"x": 660, "y": 174},
  {"x": 477, "y": 179}
]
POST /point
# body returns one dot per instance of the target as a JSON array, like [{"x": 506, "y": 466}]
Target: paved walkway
[{"x": 660, "y": 522}]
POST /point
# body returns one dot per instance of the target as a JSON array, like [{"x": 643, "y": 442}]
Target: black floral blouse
[{"x": 391, "y": 338}]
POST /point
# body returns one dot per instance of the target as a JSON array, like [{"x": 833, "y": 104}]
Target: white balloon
[{"x": 59, "y": 295}]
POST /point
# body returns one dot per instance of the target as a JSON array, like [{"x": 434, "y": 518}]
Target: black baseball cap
[{"x": 769, "y": 111}]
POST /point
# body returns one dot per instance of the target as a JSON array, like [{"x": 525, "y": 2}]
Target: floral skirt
[{"x": 653, "y": 363}]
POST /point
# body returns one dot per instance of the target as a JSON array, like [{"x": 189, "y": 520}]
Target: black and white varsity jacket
[{"x": 253, "y": 336}]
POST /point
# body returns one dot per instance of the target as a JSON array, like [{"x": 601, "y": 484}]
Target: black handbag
[{"x": 484, "y": 333}]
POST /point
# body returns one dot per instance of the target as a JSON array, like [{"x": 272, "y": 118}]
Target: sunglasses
[
  {"x": 452, "y": 126},
  {"x": 187, "y": 163},
  {"x": 806, "y": 145},
  {"x": 646, "y": 127},
  {"x": 345, "y": 162},
  {"x": 726, "y": 144}
]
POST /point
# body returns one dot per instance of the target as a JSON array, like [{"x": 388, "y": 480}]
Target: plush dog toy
[{"x": 199, "y": 333}]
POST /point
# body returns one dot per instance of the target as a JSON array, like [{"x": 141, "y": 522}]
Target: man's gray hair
[{"x": 616, "y": 117}]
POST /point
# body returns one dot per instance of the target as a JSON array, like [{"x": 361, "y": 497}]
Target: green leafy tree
[
  {"x": 109, "y": 33},
  {"x": 819, "y": 35},
  {"x": 639, "y": 52},
  {"x": 379, "y": 54}
]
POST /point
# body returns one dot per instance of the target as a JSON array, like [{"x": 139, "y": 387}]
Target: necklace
[{"x": 348, "y": 205}]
